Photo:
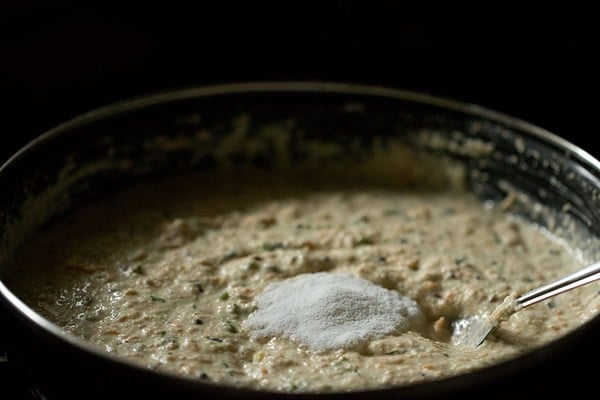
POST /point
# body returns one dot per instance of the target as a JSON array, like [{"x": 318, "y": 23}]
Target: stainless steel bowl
[{"x": 154, "y": 135}]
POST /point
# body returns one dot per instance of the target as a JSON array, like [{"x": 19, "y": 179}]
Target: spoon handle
[
  {"x": 478, "y": 330},
  {"x": 578, "y": 278}
]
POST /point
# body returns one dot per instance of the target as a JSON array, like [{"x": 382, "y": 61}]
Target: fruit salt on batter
[{"x": 189, "y": 276}]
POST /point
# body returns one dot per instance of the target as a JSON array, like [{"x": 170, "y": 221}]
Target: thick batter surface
[{"x": 166, "y": 274}]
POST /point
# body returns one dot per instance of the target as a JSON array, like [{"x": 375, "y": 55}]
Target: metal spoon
[{"x": 471, "y": 332}]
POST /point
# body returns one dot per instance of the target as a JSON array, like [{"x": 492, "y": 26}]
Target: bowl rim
[{"x": 382, "y": 91}]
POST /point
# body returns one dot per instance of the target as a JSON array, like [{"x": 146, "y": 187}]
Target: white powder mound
[{"x": 329, "y": 311}]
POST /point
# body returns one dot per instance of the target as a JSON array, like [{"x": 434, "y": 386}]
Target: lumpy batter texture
[{"x": 166, "y": 275}]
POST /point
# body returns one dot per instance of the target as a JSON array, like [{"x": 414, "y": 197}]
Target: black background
[{"x": 61, "y": 58}]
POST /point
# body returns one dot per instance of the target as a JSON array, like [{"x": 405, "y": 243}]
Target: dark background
[{"x": 61, "y": 58}]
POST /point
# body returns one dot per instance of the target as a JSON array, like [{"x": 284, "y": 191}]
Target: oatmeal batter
[{"x": 168, "y": 274}]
